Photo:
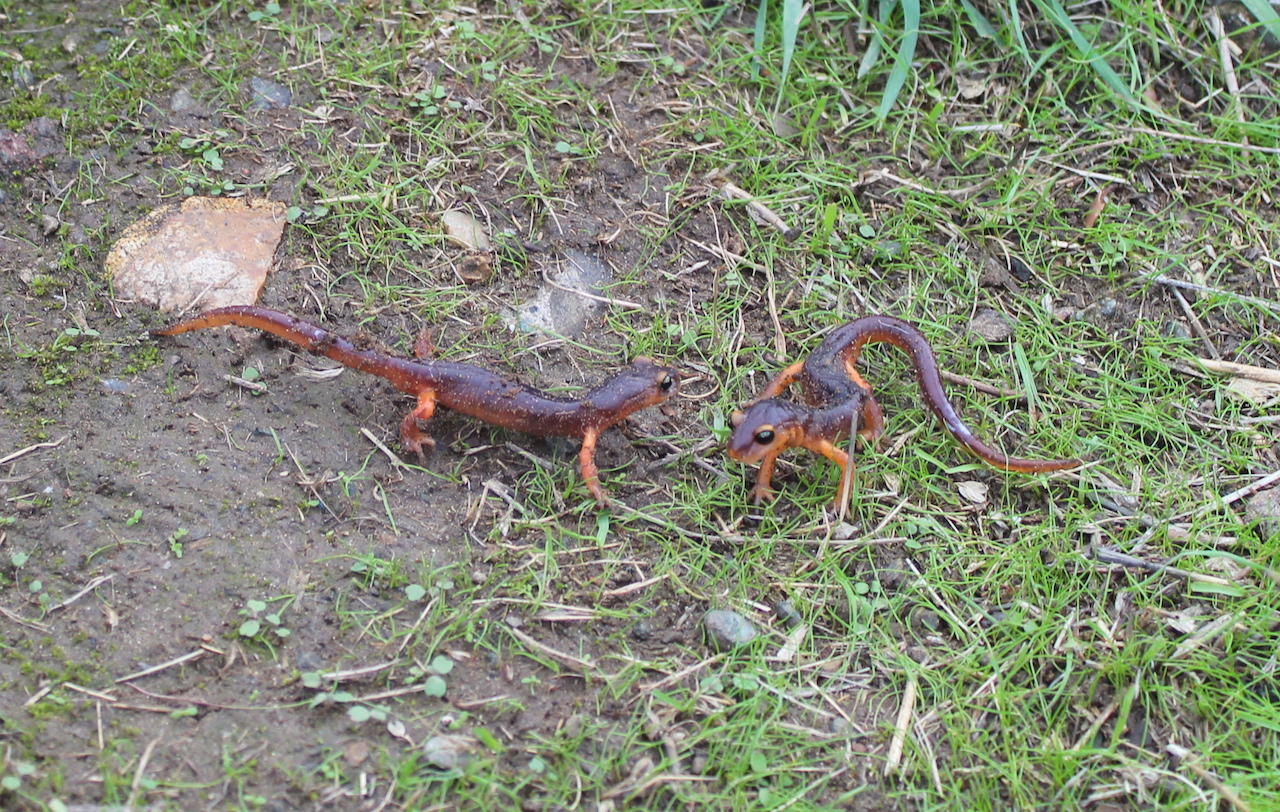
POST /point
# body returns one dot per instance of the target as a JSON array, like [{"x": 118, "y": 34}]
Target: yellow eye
[{"x": 736, "y": 419}]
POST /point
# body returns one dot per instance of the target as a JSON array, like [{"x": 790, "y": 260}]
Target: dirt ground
[
  {"x": 146, "y": 504},
  {"x": 177, "y": 497}
]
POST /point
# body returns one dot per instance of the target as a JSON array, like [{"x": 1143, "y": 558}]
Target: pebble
[
  {"x": 445, "y": 752},
  {"x": 991, "y": 326},
  {"x": 1264, "y": 508},
  {"x": 559, "y": 308},
  {"x": 726, "y": 629},
  {"x": 268, "y": 95},
  {"x": 787, "y": 614},
  {"x": 642, "y": 630},
  {"x": 182, "y": 100}
]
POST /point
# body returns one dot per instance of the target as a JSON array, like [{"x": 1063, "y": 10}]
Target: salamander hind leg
[
  {"x": 587, "y": 463},
  {"x": 872, "y": 422},
  {"x": 840, "y": 458},
  {"x": 779, "y": 383},
  {"x": 412, "y": 437}
]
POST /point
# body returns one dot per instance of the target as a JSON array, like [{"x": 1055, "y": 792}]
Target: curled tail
[
  {"x": 889, "y": 330},
  {"x": 399, "y": 372}
]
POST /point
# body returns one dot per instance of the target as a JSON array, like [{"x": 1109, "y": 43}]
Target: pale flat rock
[
  {"x": 204, "y": 252},
  {"x": 568, "y": 300}
]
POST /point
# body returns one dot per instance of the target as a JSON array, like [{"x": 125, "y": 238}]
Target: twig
[
  {"x": 732, "y": 192},
  {"x": 186, "y": 700},
  {"x": 356, "y": 673},
  {"x": 1109, "y": 556},
  {"x": 1228, "y": 794},
  {"x": 727, "y": 256},
  {"x": 1203, "y": 635},
  {"x": 195, "y": 655},
  {"x": 22, "y": 621},
  {"x": 252, "y": 386},
  {"x": 1240, "y": 493},
  {"x": 391, "y": 455},
  {"x": 985, "y": 388},
  {"x": 137, "y": 775},
  {"x": 92, "y": 585},
  {"x": 1196, "y": 139},
  {"x": 394, "y": 692},
  {"x": 1195, "y": 322},
  {"x": 1228, "y": 65},
  {"x": 90, "y": 692},
  {"x": 894, "y": 759},
  {"x": 582, "y": 666},
  {"x": 1242, "y": 370},
  {"x": 40, "y": 694},
  {"x": 592, "y": 296},
  {"x": 1178, "y": 283},
  {"x": 24, "y": 451},
  {"x": 634, "y": 587},
  {"x": 955, "y": 194}
]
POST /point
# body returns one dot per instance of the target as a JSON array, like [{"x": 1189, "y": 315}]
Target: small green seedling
[{"x": 175, "y": 541}]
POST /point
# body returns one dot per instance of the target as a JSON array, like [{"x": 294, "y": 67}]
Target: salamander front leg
[
  {"x": 413, "y": 438},
  {"x": 763, "y": 491},
  {"x": 587, "y": 463}
]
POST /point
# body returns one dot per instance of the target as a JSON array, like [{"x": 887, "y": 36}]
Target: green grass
[{"x": 1042, "y": 679}]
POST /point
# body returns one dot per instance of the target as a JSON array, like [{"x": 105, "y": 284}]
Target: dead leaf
[
  {"x": 205, "y": 251},
  {"x": 970, "y": 89},
  {"x": 1259, "y": 393},
  {"x": 464, "y": 230},
  {"x": 113, "y": 619},
  {"x": 973, "y": 490},
  {"x": 476, "y": 267}
]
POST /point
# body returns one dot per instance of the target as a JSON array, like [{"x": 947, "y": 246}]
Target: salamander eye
[
  {"x": 765, "y": 436},
  {"x": 666, "y": 382},
  {"x": 736, "y": 419}
]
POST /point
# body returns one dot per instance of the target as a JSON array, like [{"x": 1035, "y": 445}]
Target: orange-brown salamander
[
  {"x": 469, "y": 389},
  {"x": 836, "y": 399}
]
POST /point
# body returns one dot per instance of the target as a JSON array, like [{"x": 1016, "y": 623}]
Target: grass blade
[
  {"x": 979, "y": 22},
  {"x": 901, "y": 65},
  {"x": 757, "y": 41},
  {"x": 792, "y": 12},
  {"x": 1265, "y": 14},
  {"x": 1054, "y": 10}
]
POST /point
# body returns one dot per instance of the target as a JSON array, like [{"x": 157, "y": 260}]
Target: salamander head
[
  {"x": 645, "y": 383},
  {"x": 765, "y": 429}
]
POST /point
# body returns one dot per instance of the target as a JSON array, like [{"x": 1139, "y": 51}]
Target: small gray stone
[
  {"x": 268, "y": 95},
  {"x": 559, "y": 306},
  {"x": 991, "y": 326},
  {"x": 787, "y": 614},
  {"x": 642, "y": 630},
  {"x": 445, "y": 752},
  {"x": 726, "y": 629},
  {"x": 182, "y": 100},
  {"x": 1264, "y": 508},
  {"x": 926, "y": 620}
]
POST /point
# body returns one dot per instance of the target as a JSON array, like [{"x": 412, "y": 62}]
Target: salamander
[
  {"x": 836, "y": 401},
  {"x": 469, "y": 389}
]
